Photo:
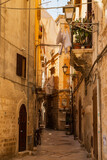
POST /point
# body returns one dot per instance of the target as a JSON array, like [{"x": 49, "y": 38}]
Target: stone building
[
  {"x": 89, "y": 100},
  {"x": 17, "y": 101},
  {"x": 57, "y": 85}
]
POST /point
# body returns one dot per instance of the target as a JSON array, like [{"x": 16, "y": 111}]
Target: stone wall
[
  {"x": 13, "y": 89},
  {"x": 101, "y": 17},
  {"x": 86, "y": 115},
  {"x": 103, "y": 96}
]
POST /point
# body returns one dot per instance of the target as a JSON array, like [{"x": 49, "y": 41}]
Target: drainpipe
[
  {"x": 28, "y": 62},
  {"x": 99, "y": 125},
  {"x": 99, "y": 119},
  {"x": 71, "y": 82},
  {"x": 0, "y": 21}
]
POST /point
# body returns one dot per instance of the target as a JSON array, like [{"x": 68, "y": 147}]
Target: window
[
  {"x": 78, "y": 2},
  {"x": 52, "y": 70},
  {"x": 21, "y": 66},
  {"x": 89, "y": 10},
  {"x": 78, "y": 8}
]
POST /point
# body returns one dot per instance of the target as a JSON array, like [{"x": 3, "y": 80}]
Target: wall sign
[{"x": 64, "y": 102}]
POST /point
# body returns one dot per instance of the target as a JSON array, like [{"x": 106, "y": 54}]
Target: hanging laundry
[
  {"x": 59, "y": 37},
  {"x": 64, "y": 39},
  {"x": 67, "y": 40}
]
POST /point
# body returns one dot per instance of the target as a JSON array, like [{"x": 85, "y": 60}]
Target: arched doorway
[
  {"x": 22, "y": 128},
  {"x": 80, "y": 120}
]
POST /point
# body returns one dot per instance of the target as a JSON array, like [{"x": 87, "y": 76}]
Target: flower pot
[
  {"x": 88, "y": 46},
  {"x": 82, "y": 47},
  {"x": 76, "y": 46}
]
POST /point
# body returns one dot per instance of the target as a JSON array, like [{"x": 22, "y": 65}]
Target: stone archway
[{"x": 22, "y": 128}]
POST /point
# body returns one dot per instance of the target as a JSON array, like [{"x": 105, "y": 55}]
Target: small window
[
  {"x": 78, "y": 2},
  {"x": 89, "y": 10},
  {"x": 52, "y": 70},
  {"x": 21, "y": 66}
]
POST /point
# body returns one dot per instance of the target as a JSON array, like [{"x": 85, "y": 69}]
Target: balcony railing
[{"x": 82, "y": 34}]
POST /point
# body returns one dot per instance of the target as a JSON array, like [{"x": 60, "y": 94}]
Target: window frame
[{"x": 21, "y": 66}]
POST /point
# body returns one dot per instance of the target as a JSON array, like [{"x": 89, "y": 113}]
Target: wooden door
[
  {"x": 80, "y": 121},
  {"x": 22, "y": 128},
  {"x": 95, "y": 136}
]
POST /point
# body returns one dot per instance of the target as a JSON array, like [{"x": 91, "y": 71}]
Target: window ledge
[
  {"x": 80, "y": 51},
  {"x": 23, "y": 78}
]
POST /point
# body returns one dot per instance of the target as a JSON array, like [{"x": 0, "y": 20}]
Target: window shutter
[
  {"x": 19, "y": 65},
  {"x": 25, "y": 68},
  {"x": 89, "y": 10},
  {"x": 77, "y": 1}
]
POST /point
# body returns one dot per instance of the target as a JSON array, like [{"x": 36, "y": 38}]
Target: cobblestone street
[{"x": 57, "y": 145}]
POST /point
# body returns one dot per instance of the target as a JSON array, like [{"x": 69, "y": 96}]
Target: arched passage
[{"x": 22, "y": 128}]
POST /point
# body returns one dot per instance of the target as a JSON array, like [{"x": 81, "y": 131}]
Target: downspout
[
  {"x": 99, "y": 119},
  {"x": 99, "y": 130},
  {"x": 0, "y": 22},
  {"x": 28, "y": 63},
  {"x": 71, "y": 82}
]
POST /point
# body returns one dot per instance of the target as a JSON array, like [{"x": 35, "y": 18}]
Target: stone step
[{"x": 24, "y": 153}]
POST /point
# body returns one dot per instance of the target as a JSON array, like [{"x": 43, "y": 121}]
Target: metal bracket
[{"x": 89, "y": 27}]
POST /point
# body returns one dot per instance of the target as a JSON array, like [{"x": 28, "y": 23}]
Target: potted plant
[
  {"x": 88, "y": 41},
  {"x": 76, "y": 43},
  {"x": 81, "y": 35}
]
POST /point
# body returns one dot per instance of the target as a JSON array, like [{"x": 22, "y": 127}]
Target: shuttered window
[
  {"x": 21, "y": 66},
  {"x": 77, "y": 1},
  {"x": 89, "y": 10}
]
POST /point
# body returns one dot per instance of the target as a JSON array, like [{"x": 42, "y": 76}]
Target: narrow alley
[
  {"x": 55, "y": 145},
  {"x": 53, "y": 79}
]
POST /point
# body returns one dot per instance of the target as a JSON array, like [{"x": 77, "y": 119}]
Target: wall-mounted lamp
[
  {"x": 69, "y": 12},
  {"x": 65, "y": 68}
]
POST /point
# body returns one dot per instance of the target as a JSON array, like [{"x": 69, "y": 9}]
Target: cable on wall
[
  {"x": 39, "y": 8},
  {"x": 4, "y": 2}
]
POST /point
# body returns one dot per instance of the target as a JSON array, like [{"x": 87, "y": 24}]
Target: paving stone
[{"x": 56, "y": 145}]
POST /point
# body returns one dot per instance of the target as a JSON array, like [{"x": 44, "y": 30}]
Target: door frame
[{"x": 21, "y": 101}]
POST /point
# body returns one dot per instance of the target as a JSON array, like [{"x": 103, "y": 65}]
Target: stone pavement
[{"x": 57, "y": 145}]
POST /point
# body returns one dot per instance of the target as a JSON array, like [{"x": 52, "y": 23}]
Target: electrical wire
[
  {"x": 104, "y": 51},
  {"x": 14, "y": 45},
  {"x": 98, "y": 58},
  {"x": 4, "y": 2},
  {"x": 39, "y": 8},
  {"x": 44, "y": 3},
  {"x": 3, "y": 77},
  {"x": 10, "y": 43}
]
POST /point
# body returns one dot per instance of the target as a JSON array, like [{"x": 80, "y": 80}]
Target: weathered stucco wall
[
  {"x": 86, "y": 115},
  {"x": 13, "y": 89},
  {"x": 101, "y": 17}
]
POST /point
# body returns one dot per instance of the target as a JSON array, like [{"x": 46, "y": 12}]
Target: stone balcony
[
  {"x": 81, "y": 59},
  {"x": 79, "y": 52}
]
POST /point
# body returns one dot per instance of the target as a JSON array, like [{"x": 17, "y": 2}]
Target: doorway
[
  {"x": 95, "y": 142},
  {"x": 22, "y": 128},
  {"x": 80, "y": 120},
  {"x": 68, "y": 118}
]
